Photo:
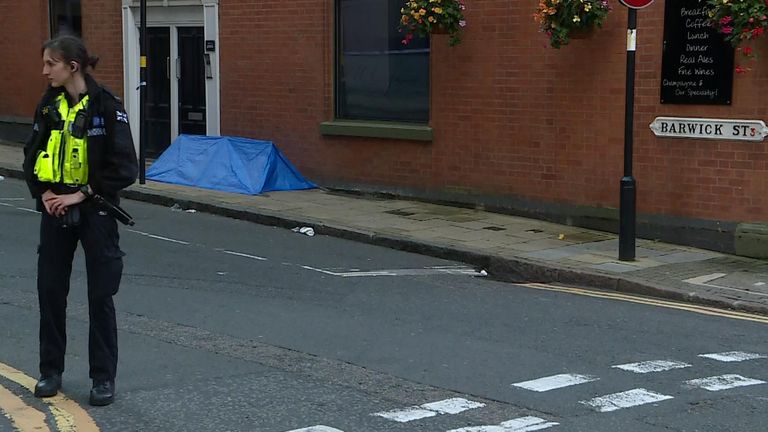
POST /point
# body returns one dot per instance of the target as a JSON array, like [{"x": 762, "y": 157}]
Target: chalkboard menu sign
[{"x": 697, "y": 62}]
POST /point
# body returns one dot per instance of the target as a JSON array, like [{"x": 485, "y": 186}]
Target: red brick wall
[
  {"x": 103, "y": 35},
  {"x": 24, "y": 29},
  {"x": 511, "y": 116}
]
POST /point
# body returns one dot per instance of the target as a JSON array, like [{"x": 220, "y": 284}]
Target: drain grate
[
  {"x": 535, "y": 231},
  {"x": 399, "y": 213}
]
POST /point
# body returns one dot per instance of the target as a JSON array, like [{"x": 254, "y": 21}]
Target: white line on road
[
  {"x": 733, "y": 356},
  {"x": 399, "y": 272},
  {"x": 12, "y": 199},
  {"x": 522, "y": 424},
  {"x": 652, "y": 366},
  {"x": 723, "y": 382},
  {"x": 627, "y": 399},
  {"x": 19, "y": 208},
  {"x": 555, "y": 382},
  {"x": 452, "y": 406},
  {"x": 318, "y": 428},
  {"x": 447, "y": 406},
  {"x": 240, "y": 254},
  {"x": 159, "y": 237}
]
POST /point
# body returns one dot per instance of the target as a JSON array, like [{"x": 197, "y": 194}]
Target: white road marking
[
  {"x": 627, "y": 399},
  {"x": 733, "y": 356},
  {"x": 318, "y": 428},
  {"x": 447, "y": 406},
  {"x": 723, "y": 382},
  {"x": 456, "y": 270},
  {"x": 759, "y": 283},
  {"x": 555, "y": 382},
  {"x": 159, "y": 237},
  {"x": 522, "y": 424},
  {"x": 28, "y": 210},
  {"x": 652, "y": 366},
  {"x": 452, "y": 406},
  {"x": 12, "y": 199},
  {"x": 407, "y": 414},
  {"x": 19, "y": 208},
  {"x": 240, "y": 254}
]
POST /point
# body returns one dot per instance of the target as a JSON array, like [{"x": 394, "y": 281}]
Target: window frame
[{"x": 417, "y": 131}]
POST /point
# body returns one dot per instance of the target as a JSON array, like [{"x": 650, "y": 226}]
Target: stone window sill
[{"x": 372, "y": 129}]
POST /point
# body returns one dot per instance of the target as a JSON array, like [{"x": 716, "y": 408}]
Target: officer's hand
[
  {"x": 59, "y": 204},
  {"x": 48, "y": 196}
]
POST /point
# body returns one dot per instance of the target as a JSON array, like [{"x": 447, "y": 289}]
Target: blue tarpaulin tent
[{"x": 228, "y": 164}]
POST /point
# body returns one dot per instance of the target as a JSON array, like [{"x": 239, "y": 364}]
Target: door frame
[{"x": 173, "y": 14}]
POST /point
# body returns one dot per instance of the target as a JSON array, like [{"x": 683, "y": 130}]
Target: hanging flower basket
[
  {"x": 563, "y": 20},
  {"x": 741, "y": 21},
  {"x": 425, "y": 17}
]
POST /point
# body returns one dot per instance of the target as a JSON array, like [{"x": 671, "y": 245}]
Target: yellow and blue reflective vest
[{"x": 65, "y": 158}]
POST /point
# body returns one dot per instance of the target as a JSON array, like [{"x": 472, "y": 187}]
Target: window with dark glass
[
  {"x": 377, "y": 76},
  {"x": 66, "y": 17}
]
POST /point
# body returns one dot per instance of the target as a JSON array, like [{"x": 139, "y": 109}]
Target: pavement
[{"x": 508, "y": 248}]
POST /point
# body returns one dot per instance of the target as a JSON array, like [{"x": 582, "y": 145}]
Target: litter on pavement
[{"x": 304, "y": 230}]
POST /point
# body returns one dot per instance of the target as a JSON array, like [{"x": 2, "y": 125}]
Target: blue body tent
[{"x": 228, "y": 164}]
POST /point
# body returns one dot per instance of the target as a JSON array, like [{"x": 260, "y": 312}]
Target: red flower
[
  {"x": 757, "y": 31},
  {"x": 740, "y": 70},
  {"x": 747, "y": 51}
]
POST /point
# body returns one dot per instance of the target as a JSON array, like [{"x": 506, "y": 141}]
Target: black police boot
[
  {"x": 102, "y": 393},
  {"x": 48, "y": 386}
]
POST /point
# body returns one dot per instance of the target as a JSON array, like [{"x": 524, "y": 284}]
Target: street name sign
[
  {"x": 704, "y": 128},
  {"x": 636, "y": 4}
]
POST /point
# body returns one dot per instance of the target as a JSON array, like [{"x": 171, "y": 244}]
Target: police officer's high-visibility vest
[{"x": 65, "y": 158}]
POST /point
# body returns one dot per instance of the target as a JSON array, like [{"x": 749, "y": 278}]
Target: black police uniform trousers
[{"x": 97, "y": 233}]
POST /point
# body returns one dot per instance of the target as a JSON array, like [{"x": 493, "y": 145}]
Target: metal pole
[
  {"x": 143, "y": 95},
  {"x": 628, "y": 196}
]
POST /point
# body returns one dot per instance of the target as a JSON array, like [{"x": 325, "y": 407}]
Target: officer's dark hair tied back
[{"x": 71, "y": 49}]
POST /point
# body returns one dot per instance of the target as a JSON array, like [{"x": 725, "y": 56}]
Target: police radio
[
  {"x": 78, "y": 126},
  {"x": 53, "y": 118}
]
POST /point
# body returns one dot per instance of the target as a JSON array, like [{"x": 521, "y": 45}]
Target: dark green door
[
  {"x": 158, "y": 120},
  {"x": 191, "y": 81}
]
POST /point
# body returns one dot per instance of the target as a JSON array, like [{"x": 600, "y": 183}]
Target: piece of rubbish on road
[
  {"x": 483, "y": 273},
  {"x": 561, "y": 237},
  {"x": 2, "y": 178},
  {"x": 304, "y": 230},
  {"x": 191, "y": 211},
  {"x": 176, "y": 208}
]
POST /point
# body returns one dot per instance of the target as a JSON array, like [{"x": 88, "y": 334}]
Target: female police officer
[{"x": 80, "y": 145}]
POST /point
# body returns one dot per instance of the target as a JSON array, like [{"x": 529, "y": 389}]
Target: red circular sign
[{"x": 636, "y": 4}]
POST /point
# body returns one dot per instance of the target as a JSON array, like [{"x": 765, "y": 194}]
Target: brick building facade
[{"x": 515, "y": 125}]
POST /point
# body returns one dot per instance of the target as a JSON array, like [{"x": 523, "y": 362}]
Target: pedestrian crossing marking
[
  {"x": 627, "y": 399},
  {"x": 407, "y": 414},
  {"x": 447, "y": 406},
  {"x": 23, "y": 417},
  {"x": 733, "y": 356},
  {"x": 652, "y": 366},
  {"x": 555, "y": 382},
  {"x": 522, "y": 424},
  {"x": 723, "y": 382}
]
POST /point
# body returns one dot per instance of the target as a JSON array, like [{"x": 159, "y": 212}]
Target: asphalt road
[{"x": 231, "y": 326}]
